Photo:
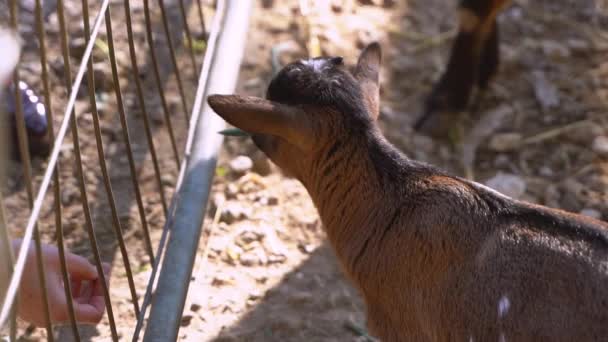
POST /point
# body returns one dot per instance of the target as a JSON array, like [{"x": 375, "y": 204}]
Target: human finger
[{"x": 80, "y": 268}]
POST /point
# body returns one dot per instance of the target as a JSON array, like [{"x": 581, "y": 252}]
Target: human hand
[{"x": 87, "y": 291}]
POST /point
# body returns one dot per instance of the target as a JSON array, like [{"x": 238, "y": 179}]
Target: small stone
[
  {"x": 103, "y": 77},
  {"x": 231, "y": 191},
  {"x": 273, "y": 200},
  {"x": 578, "y": 45},
  {"x": 261, "y": 279},
  {"x": 552, "y": 196},
  {"x": 221, "y": 280},
  {"x": 233, "y": 212},
  {"x": 590, "y": 212},
  {"x": 546, "y": 92},
  {"x": 241, "y": 164},
  {"x": 186, "y": 319},
  {"x": 255, "y": 294},
  {"x": 306, "y": 248},
  {"x": 336, "y": 6},
  {"x": 600, "y": 145},
  {"x": 249, "y": 259},
  {"x": 546, "y": 171},
  {"x": 268, "y": 200},
  {"x": 555, "y": 50},
  {"x": 78, "y": 47},
  {"x": 503, "y": 142},
  {"x": 249, "y": 236},
  {"x": 371, "y": 2},
  {"x": 234, "y": 254},
  {"x": 262, "y": 256},
  {"x": 217, "y": 201},
  {"x": 69, "y": 195},
  {"x": 508, "y": 184},
  {"x": 277, "y": 259},
  {"x": 167, "y": 180}
]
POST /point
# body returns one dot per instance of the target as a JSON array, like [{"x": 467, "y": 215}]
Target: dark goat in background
[{"x": 473, "y": 62}]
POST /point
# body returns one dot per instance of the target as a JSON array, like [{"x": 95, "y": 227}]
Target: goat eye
[{"x": 337, "y": 60}]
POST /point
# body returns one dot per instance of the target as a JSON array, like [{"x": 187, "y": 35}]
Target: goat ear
[
  {"x": 259, "y": 116},
  {"x": 368, "y": 74}
]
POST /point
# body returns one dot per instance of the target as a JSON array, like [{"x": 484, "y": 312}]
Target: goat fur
[{"x": 436, "y": 257}]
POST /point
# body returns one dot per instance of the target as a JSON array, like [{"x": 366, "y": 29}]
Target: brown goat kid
[{"x": 436, "y": 257}]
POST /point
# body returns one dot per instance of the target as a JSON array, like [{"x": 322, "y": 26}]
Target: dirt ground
[{"x": 263, "y": 271}]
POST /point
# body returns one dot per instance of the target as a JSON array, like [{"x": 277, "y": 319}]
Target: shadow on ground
[{"x": 312, "y": 303}]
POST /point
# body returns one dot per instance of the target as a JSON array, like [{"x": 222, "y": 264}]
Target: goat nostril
[{"x": 337, "y": 60}]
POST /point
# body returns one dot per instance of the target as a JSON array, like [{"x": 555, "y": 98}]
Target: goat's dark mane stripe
[
  {"x": 334, "y": 148},
  {"x": 548, "y": 222},
  {"x": 390, "y": 224}
]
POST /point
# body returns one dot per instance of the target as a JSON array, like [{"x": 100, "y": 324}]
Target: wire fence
[{"x": 152, "y": 56}]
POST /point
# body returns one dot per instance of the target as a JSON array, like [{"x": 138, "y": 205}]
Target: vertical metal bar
[
  {"x": 182, "y": 10},
  {"x": 121, "y": 109},
  {"x": 127, "y": 139},
  {"x": 164, "y": 321},
  {"x": 13, "y": 287},
  {"x": 56, "y": 187},
  {"x": 201, "y": 16},
  {"x": 214, "y": 32},
  {"x": 100, "y": 149},
  {"x": 79, "y": 168},
  {"x": 180, "y": 86},
  {"x": 27, "y": 172},
  {"x": 163, "y": 102}
]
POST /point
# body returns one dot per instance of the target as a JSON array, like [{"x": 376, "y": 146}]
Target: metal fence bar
[
  {"x": 159, "y": 87},
  {"x": 126, "y": 137},
  {"x": 69, "y": 121},
  {"x": 100, "y": 149},
  {"x": 165, "y": 316},
  {"x": 182, "y": 10},
  {"x": 27, "y": 236},
  {"x": 216, "y": 26},
  {"x": 78, "y": 154},
  {"x": 56, "y": 186},
  {"x": 163, "y": 101},
  {"x": 37, "y": 205},
  {"x": 178, "y": 77},
  {"x": 27, "y": 173},
  {"x": 201, "y": 17}
]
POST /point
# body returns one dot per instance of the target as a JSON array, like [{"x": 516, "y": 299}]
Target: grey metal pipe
[{"x": 169, "y": 299}]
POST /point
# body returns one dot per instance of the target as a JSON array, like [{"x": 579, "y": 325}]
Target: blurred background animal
[{"x": 473, "y": 62}]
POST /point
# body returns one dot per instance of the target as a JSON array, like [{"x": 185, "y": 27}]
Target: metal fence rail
[
  {"x": 193, "y": 190},
  {"x": 229, "y": 29}
]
